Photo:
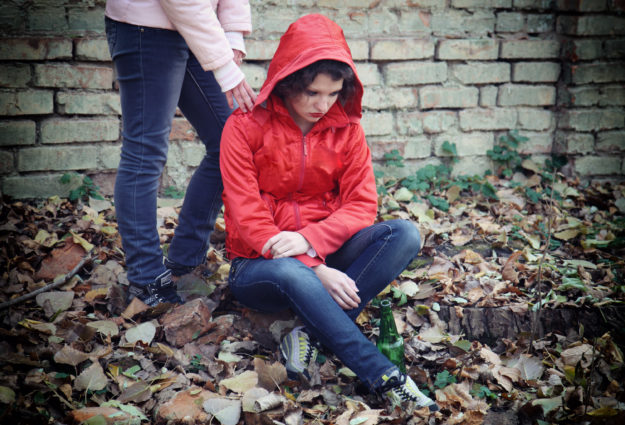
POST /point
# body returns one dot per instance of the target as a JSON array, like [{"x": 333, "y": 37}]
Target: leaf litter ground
[{"x": 77, "y": 353}]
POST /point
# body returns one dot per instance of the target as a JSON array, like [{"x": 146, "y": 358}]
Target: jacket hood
[{"x": 309, "y": 39}]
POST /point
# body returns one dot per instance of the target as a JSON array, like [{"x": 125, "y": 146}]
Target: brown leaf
[
  {"x": 136, "y": 393},
  {"x": 509, "y": 271},
  {"x": 572, "y": 356},
  {"x": 70, "y": 356},
  {"x": 441, "y": 266},
  {"x": 61, "y": 260},
  {"x": 92, "y": 378},
  {"x": 250, "y": 396},
  {"x": 54, "y": 301},
  {"x": 241, "y": 382},
  {"x": 461, "y": 237},
  {"x": 135, "y": 307},
  {"x": 187, "y": 403},
  {"x": 270, "y": 376},
  {"x": 110, "y": 414},
  {"x": 506, "y": 376},
  {"x": 489, "y": 356}
]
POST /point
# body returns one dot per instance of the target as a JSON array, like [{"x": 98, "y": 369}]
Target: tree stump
[{"x": 490, "y": 324}]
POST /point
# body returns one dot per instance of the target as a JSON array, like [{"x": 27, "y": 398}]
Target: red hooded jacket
[{"x": 320, "y": 185}]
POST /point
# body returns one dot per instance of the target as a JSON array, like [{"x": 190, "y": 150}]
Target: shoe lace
[
  {"x": 161, "y": 291},
  {"x": 306, "y": 349},
  {"x": 393, "y": 383},
  {"x": 404, "y": 394}
]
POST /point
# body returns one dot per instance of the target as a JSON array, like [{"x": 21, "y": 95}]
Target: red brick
[{"x": 181, "y": 129}]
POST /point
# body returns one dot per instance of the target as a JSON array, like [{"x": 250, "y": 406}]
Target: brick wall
[{"x": 463, "y": 71}]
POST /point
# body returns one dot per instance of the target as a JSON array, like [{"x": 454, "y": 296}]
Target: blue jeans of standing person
[
  {"x": 156, "y": 72},
  {"x": 373, "y": 257}
]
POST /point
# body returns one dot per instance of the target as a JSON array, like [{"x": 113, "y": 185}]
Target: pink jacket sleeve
[
  {"x": 203, "y": 29},
  {"x": 235, "y": 15}
]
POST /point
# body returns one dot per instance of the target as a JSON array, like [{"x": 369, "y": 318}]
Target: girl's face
[{"x": 307, "y": 107}]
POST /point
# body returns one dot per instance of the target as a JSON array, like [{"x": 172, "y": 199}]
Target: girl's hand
[
  {"x": 243, "y": 94},
  {"x": 286, "y": 244},
  {"x": 238, "y": 56},
  {"x": 340, "y": 286}
]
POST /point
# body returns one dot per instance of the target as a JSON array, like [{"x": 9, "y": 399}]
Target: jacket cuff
[
  {"x": 228, "y": 76},
  {"x": 236, "y": 41},
  {"x": 309, "y": 261}
]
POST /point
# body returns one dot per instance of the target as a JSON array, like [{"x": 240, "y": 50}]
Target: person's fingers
[
  {"x": 346, "y": 301},
  {"x": 268, "y": 245},
  {"x": 229, "y": 99},
  {"x": 351, "y": 299},
  {"x": 250, "y": 91},
  {"x": 351, "y": 292},
  {"x": 243, "y": 97},
  {"x": 239, "y": 99},
  {"x": 238, "y": 56},
  {"x": 339, "y": 300}
]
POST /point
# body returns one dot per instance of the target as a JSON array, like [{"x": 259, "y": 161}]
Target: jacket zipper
[
  {"x": 303, "y": 168},
  {"x": 298, "y": 219}
]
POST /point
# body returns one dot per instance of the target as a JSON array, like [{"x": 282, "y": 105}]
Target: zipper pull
[{"x": 305, "y": 150}]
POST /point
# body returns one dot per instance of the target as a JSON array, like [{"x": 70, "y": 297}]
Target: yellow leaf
[
  {"x": 532, "y": 239},
  {"x": 566, "y": 235},
  {"x": 223, "y": 271},
  {"x": 108, "y": 230},
  {"x": 363, "y": 318},
  {"x": 87, "y": 246},
  {"x": 96, "y": 293},
  {"x": 453, "y": 193},
  {"x": 531, "y": 165},
  {"x": 603, "y": 412},
  {"x": 433, "y": 335},
  {"x": 420, "y": 212},
  {"x": 472, "y": 257},
  {"x": 165, "y": 349},
  {"x": 385, "y": 290},
  {"x": 46, "y": 239},
  {"x": 403, "y": 195},
  {"x": 114, "y": 370},
  {"x": 242, "y": 382}
]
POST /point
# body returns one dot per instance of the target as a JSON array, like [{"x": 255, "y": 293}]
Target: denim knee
[
  {"x": 405, "y": 235},
  {"x": 298, "y": 279}
]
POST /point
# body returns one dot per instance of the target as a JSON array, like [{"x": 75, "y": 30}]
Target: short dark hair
[{"x": 297, "y": 82}]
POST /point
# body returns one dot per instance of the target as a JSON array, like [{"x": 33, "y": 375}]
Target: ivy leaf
[{"x": 443, "y": 379}]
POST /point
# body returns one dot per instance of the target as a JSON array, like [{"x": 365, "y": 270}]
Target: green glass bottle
[{"x": 390, "y": 342}]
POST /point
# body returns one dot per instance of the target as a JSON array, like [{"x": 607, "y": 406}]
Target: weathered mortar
[{"x": 463, "y": 71}]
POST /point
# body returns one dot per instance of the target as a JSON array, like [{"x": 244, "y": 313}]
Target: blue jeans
[
  {"x": 156, "y": 72},
  {"x": 373, "y": 257}
]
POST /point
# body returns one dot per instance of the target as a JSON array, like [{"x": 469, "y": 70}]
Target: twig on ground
[
  {"x": 588, "y": 389},
  {"x": 539, "y": 282},
  {"x": 59, "y": 281}
]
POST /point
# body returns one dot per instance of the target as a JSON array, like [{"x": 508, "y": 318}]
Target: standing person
[
  {"x": 301, "y": 202},
  {"x": 172, "y": 53}
]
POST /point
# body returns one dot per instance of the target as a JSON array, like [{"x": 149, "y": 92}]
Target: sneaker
[
  {"x": 298, "y": 351},
  {"x": 178, "y": 270},
  {"x": 162, "y": 290},
  {"x": 401, "y": 388}
]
